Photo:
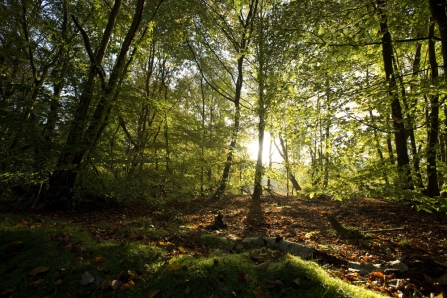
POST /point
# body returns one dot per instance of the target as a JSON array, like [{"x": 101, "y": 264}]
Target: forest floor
[
  {"x": 174, "y": 230},
  {"x": 421, "y": 244}
]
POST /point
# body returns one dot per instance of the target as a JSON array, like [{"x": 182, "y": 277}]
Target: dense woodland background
[{"x": 103, "y": 100}]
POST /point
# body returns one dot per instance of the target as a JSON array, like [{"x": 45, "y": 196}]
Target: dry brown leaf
[
  {"x": 8, "y": 292},
  {"x": 99, "y": 259},
  {"x": 297, "y": 281},
  {"x": 128, "y": 285},
  {"x": 105, "y": 284},
  {"x": 116, "y": 284},
  {"x": 377, "y": 274},
  {"x": 153, "y": 293},
  {"x": 58, "y": 282},
  {"x": 37, "y": 283},
  {"x": 187, "y": 290},
  {"x": 260, "y": 293},
  {"x": 16, "y": 244},
  {"x": 38, "y": 270},
  {"x": 262, "y": 266},
  {"x": 132, "y": 274}
]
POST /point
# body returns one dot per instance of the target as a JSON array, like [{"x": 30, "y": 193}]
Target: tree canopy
[{"x": 160, "y": 99}]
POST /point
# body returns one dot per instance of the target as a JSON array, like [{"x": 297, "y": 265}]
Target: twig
[{"x": 383, "y": 230}]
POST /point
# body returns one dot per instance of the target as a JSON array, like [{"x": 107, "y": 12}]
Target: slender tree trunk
[
  {"x": 438, "y": 12},
  {"x": 257, "y": 192},
  {"x": 269, "y": 183},
  {"x": 240, "y": 47},
  {"x": 237, "y": 115},
  {"x": 432, "y": 173},
  {"x": 410, "y": 130},
  {"x": 403, "y": 159}
]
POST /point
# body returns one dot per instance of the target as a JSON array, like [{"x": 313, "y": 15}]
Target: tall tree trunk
[
  {"x": 409, "y": 130},
  {"x": 240, "y": 47},
  {"x": 403, "y": 159},
  {"x": 269, "y": 183},
  {"x": 432, "y": 173},
  {"x": 237, "y": 115},
  {"x": 257, "y": 192},
  {"x": 438, "y": 12}
]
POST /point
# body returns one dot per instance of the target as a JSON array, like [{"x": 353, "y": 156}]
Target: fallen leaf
[
  {"x": 377, "y": 274},
  {"x": 37, "y": 283},
  {"x": 181, "y": 249},
  {"x": 16, "y": 244},
  {"x": 174, "y": 266},
  {"x": 105, "y": 284},
  {"x": 116, "y": 284},
  {"x": 273, "y": 282},
  {"x": 297, "y": 281},
  {"x": 99, "y": 259},
  {"x": 38, "y": 270},
  {"x": 187, "y": 290},
  {"x": 133, "y": 235},
  {"x": 86, "y": 278},
  {"x": 132, "y": 274},
  {"x": 260, "y": 293},
  {"x": 8, "y": 292},
  {"x": 262, "y": 266},
  {"x": 58, "y": 282},
  {"x": 153, "y": 293},
  {"x": 128, "y": 285}
]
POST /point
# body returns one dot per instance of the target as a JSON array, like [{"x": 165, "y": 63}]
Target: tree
[{"x": 85, "y": 132}]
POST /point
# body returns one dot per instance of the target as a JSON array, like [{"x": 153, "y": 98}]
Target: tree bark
[
  {"x": 432, "y": 173},
  {"x": 403, "y": 160},
  {"x": 240, "y": 47}
]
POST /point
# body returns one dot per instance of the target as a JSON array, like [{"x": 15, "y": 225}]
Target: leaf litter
[{"x": 422, "y": 243}]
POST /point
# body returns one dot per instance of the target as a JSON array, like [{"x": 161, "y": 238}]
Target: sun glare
[{"x": 253, "y": 148}]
